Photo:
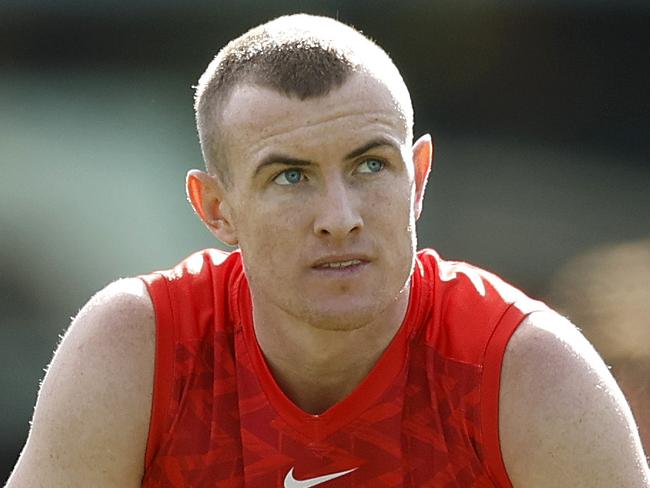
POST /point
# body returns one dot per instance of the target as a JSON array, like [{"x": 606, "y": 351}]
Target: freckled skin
[{"x": 335, "y": 209}]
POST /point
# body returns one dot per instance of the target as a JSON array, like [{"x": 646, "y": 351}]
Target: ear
[
  {"x": 422, "y": 158},
  {"x": 206, "y": 194}
]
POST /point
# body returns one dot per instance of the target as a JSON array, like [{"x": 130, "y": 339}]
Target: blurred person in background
[
  {"x": 324, "y": 350},
  {"x": 608, "y": 290}
]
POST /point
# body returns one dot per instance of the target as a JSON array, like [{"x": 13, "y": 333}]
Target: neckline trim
[{"x": 319, "y": 426}]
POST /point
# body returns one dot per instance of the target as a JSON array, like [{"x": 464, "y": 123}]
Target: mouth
[{"x": 339, "y": 265}]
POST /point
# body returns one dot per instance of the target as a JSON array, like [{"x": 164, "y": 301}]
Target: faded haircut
[{"x": 301, "y": 56}]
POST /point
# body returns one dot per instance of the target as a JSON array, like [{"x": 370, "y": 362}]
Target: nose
[{"x": 337, "y": 215}]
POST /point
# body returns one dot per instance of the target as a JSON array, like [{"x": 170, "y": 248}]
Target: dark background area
[{"x": 539, "y": 111}]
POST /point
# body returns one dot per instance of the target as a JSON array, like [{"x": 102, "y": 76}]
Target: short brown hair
[{"x": 301, "y": 56}]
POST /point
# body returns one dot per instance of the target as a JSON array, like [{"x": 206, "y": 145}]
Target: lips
[{"x": 340, "y": 262}]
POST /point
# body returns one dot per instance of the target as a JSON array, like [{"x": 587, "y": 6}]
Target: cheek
[
  {"x": 392, "y": 223},
  {"x": 391, "y": 207},
  {"x": 269, "y": 230}
]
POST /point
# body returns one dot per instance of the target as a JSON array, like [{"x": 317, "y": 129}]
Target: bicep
[
  {"x": 91, "y": 418},
  {"x": 563, "y": 419}
]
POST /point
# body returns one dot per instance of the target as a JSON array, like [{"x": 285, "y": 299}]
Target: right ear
[{"x": 206, "y": 195}]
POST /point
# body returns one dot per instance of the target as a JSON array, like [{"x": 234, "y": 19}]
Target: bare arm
[
  {"x": 563, "y": 419},
  {"x": 91, "y": 418}
]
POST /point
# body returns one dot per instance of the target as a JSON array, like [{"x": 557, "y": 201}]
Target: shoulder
[
  {"x": 474, "y": 311},
  {"x": 465, "y": 279},
  {"x": 563, "y": 419},
  {"x": 196, "y": 277},
  {"x": 199, "y": 265},
  {"x": 118, "y": 321},
  {"x": 126, "y": 297},
  {"x": 111, "y": 339},
  {"x": 91, "y": 418}
]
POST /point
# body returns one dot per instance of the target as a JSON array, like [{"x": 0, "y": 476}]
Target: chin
[{"x": 341, "y": 316}]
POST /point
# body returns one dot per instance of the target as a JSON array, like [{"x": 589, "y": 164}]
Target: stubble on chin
[{"x": 354, "y": 317}]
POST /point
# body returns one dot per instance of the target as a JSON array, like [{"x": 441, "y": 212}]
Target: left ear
[{"x": 422, "y": 157}]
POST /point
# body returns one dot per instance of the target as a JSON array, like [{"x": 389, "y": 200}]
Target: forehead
[{"x": 257, "y": 119}]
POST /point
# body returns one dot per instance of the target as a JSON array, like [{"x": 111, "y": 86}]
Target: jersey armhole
[
  {"x": 163, "y": 365},
  {"x": 490, "y": 387}
]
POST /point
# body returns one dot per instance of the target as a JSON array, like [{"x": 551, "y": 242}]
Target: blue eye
[
  {"x": 371, "y": 166},
  {"x": 289, "y": 177}
]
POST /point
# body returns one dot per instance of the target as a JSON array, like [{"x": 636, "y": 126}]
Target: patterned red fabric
[{"x": 426, "y": 415}]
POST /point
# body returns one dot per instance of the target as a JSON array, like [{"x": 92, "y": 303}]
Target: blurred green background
[{"x": 539, "y": 111}]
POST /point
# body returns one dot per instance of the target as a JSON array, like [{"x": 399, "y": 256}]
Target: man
[{"x": 324, "y": 351}]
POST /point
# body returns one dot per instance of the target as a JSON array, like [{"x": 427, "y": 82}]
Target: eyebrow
[
  {"x": 277, "y": 158},
  {"x": 380, "y": 141}
]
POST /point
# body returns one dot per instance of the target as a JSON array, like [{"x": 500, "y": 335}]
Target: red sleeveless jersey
[{"x": 425, "y": 416}]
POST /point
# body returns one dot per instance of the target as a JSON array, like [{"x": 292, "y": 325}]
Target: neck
[{"x": 315, "y": 367}]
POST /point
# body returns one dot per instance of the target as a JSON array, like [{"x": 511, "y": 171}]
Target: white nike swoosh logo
[{"x": 291, "y": 482}]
